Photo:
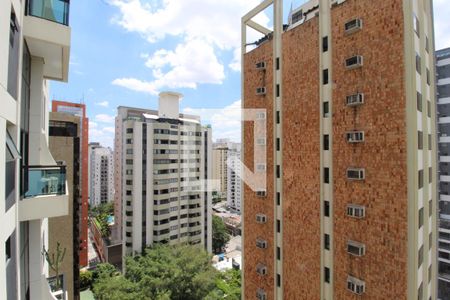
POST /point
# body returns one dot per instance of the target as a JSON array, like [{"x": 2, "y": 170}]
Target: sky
[{"x": 124, "y": 52}]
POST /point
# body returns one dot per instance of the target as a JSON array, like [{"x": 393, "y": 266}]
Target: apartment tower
[
  {"x": 349, "y": 206},
  {"x": 234, "y": 186},
  {"x": 163, "y": 163},
  {"x": 34, "y": 47},
  {"x": 443, "y": 111},
  {"x": 101, "y": 174},
  {"x": 219, "y": 171},
  {"x": 79, "y": 110}
]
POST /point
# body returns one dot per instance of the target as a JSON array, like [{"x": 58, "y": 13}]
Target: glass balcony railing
[
  {"x": 45, "y": 180},
  {"x": 52, "y": 10}
]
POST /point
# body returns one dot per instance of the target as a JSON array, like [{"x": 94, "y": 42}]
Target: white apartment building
[
  {"x": 162, "y": 189},
  {"x": 101, "y": 174},
  {"x": 34, "y": 47},
  {"x": 234, "y": 186},
  {"x": 219, "y": 168}
]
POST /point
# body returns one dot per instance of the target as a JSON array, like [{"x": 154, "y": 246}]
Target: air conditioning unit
[
  {"x": 261, "y": 218},
  {"x": 260, "y": 243},
  {"x": 356, "y": 211},
  {"x": 261, "y": 193},
  {"x": 353, "y": 26},
  {"x": 354, "y": 62},
  {"x": 356, "y": 248},
  {"x": 355, "y": 136},
  {"x": 261, "y": 294},
  {"x": 356, "y": 99},
  {"x": 356, "y": 174},
  {"x": 261, "y": 269},
  {"x": 261, "y": 91},
  {"x": 355, "y": 285},
  {"x": 261, "y": 65}
]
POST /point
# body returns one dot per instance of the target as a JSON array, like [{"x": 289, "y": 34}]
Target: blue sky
[{"x": 125, "y": 51}]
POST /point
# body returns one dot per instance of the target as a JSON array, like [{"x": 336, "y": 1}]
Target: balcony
[
  {"x": 47, "y": 34},
  {"x": 46, "y": 194}
]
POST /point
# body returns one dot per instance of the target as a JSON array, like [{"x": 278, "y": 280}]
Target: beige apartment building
[
  {"x": 163, "y": 161},
  {"x": 349, "y": 210}
]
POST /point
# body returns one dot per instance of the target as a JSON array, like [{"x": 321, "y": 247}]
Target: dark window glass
[
  {"x": 326, "y": 208},
  {"x": 278, "y": 63},
  {"x": 420, "y": 179},
  {"x": 418, "y": 64},
  {"x": 278, "y": 90},
  {"x": 278, "y": 117},
  {"x": 327, "y": 274},
  {"x": 326, "y": 241},
  {"x": 278, "y": 171},
  {"x": 326, "y": 142},
  {"x": 278, "y": 253},
  {"x": 278, "y": 226},
  {"x": 278, "y": 198},
  {"x": 278, "y": 280},
  {"x": 419, "y": 101},
  {"x": 420, "y": 140},
  {"x": 326, "y": 175},
  {"x": 13, "y": 59},
  {"x": 325, "y": 76},
  {"x": 278, "y": 144},
  {"x": 325, "y": 44},
  {"x": 326, "y": 109},
  {"x": 420, "y": 218}
]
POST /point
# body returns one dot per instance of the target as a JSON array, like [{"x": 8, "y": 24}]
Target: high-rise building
[
  {"x": 34, "y": 47},
  {"x": 101, "y": 175},
  {"x": 443, "y": 111},
  {"x": 79, "y": 110},
  {"x": 64, "y": 142},
  {"x": 350, "y": 201},
  {"x": 163, "y": 163},
  {"x": 234, "y": 182},
  {"x": 219, "y": 171}
]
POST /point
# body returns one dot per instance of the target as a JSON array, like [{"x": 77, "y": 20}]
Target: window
[
  {"x": 261, "y": 65},
  {"x": 261, "y": 91},
  {"x": 11, "y": 154},
  {"x": 278, "y": 117},
  {"x": 420, "y": 179},
  {"x": 353, "y": 26},
  {"x": 278, "y": 226},
  {"x": 355, "y": 174},
  {"x": 129, "y": 151},
  {"x": 356, "y": 248},
  {"x": 326, "y": 142},
  {"x": 278, "y": 280},
  {"x": 420, "y": 140},
  {"x": 430, "y": 208},
  {"x": 261, "y": 269},
  {"x": 13, "y": 58},
  {"x": 129, "y": 130},
  {"x": 261, "y": 193},
  {"x": 278, "y": 253},
  {"x": 419, "y": 101},
  {"x": 430, "y": 144},
  {"x": 326, "y": 208},
  {"x": 354, "y": 62},
  {"x": 420, "y": 292},
  {"x": 416, "y": 25},
  {"x": 420, "y": 218},
  {"x": 278, "y": 171},
  {"x": 326, "y": 109},
  {"x": 420, "y": 256},
  {"x": 129, "y": 141},
  {"x": 356, "y": 211},
  {"x": 277, "y": 63},
  {"x": 298, "y": 16},
  {"x": 326, "y": 175},
  {"x": 278, "y": 198},
  {"x": 430, "y": 240},
  {"x": 327, "y": 274},
  {"x": 429, "y": 109},
  {"x": 355, "y": 285},
  {"x": 8, "y": 250},
  {"x": 418, "y": 64},
  {"x": 355, "y": 136},
  {"x": 261, "y": 294},
  {"x": 325, "y": 76},
  {"x": 325, "y": 44},
  {"x": 278, "y": 144},
  {"x": 278, "y": 90},
  {"x": 430, "y": 175},
  {"x": 430, "y": 275},
  {"x": 326, "y": 241},
  {"x": 260, "y": 243},
  {"x": 427, "y": 44},
  {"x": 428, "y": 77},
  {"x": 261, "y": 218},
  {"x": 128, "y": 193},
  {"x": 355, "y": 99}
]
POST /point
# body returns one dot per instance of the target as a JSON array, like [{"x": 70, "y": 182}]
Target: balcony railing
[
  {"x": 52, "y": 10},
  {"x": 45, "y": 180}
]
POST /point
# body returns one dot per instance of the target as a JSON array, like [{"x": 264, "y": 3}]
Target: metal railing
[
  {"x": 51, "y": 10},
  {"x": 45, "y": 180}
]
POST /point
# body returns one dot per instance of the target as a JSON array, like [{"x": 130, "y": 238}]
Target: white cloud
[
  {"x": 442, "y": 25},
  {"x": 92, "y": 125},
  {"x": 102, "y": 135},
  {"x": 109, "y": 129},
  {"x": 102, "y": 103},
  {"x": 225, "y": 123},
  {"x": 104, "y": 118},
  {"x": 205, "y": 28},
  {"x": 235, "y": 64}
]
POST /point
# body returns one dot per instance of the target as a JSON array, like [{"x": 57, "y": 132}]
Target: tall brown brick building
[{"x": 349, "y": 209}]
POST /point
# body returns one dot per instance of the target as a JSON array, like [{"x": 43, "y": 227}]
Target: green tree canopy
[
  {"x": 220, "y": 236},
  {"x": 163, "y": 272}
]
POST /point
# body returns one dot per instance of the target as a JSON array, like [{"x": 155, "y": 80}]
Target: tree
[
  {"x": 55, "y": 262},
  {"x": 85, "y": 279},
  {"x": 228, "y": 286},
  {"x": 220, "y": 236},
  {"x": 163, "y": 272}
]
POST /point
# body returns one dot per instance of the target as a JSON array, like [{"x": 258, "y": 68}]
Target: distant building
[
  {"x": 64, "y": 143},
  {"x": 219, "y": 168},
  {"x": 163, "y": 163},
  {"x": 79, "y": 110},
  {"x": 234, "y": 182},
  {"x": 101, "y": 174},
  {"x": 443, "y": 105}
]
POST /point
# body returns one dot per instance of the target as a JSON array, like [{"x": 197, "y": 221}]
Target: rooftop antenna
[{"x": 290, "y": 13}]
